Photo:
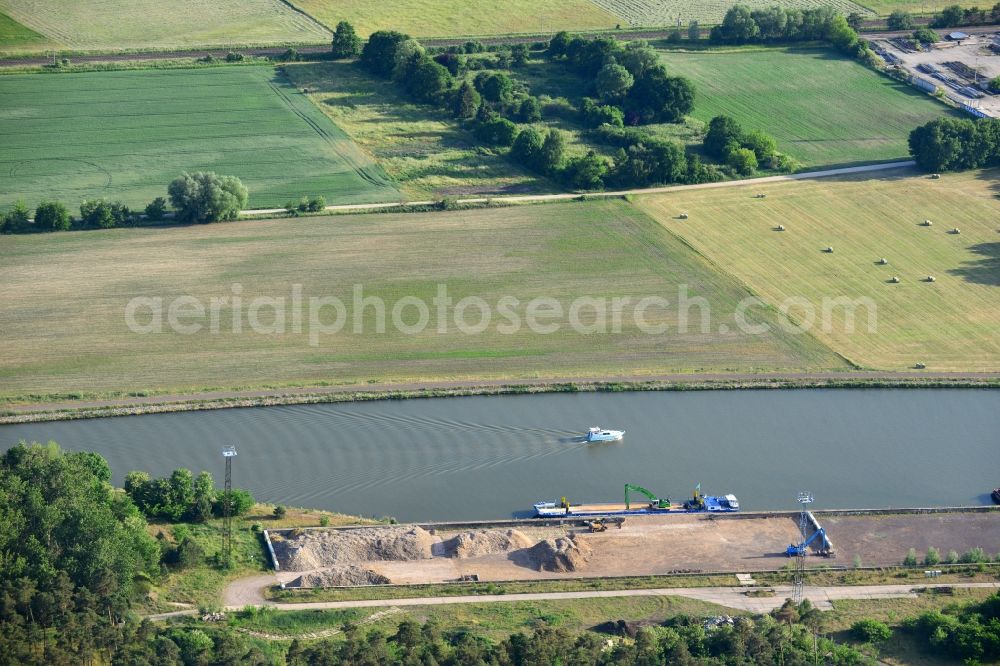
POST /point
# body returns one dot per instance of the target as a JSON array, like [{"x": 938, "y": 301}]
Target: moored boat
[
  {"x": 996, "y": 495},
  {"x": 654, "y": 506}
]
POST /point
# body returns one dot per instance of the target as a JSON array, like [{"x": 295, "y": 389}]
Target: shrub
[
  {"x": 613, "y": 81},
  {"x": 762, "y": 145},
  {"x": 16, "y": 220},
  {"x": 595, "y": 115},
  {"x": 899, "y": 20},
  {"x": 527, "y": 149},
  {"x": 379, "y": 53},
  {"x": 290, "y": 55},
  {"x": 694, "y": 32},
  {"x": 926, "y": 36},
  {"x": 871, "y": 631},
  {"x": 465, "y": 101},
  {"x": 316, "y": 204},
  {"x": 932, "y": 557},
  {"x": 101, "y": 214},
  {"x": 530, "y": 110},
  {"x": 232, "y": 56},
  {"x": 950, "y": 16},
  {"x": 553, "y": 151},
  {"x": 496, "y": 132},
  {"x": 587, "y": 172},
  {"x": 952, "y": 557},
  {"x": 974, "y": 556},
  {"x": 280, "y": 511},
  {"x": 911, "y": 558},
  {"x": 206, "y": 197},
  {"x": 240, "y": 502},
  {"x": 156, "y": 209},
  {"x": 324, "y": 521},
  {"x": 722, "y": 131},
  {"x": 52, "y": 216},
  {"x": 742, "y": 160}
]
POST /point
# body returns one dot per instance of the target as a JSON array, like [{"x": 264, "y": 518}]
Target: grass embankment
[
  {"x": 126, "y": 135},
  {"x": 450, "y": 18},
  {"x": 949, "y": 324},
  {"x": 822, "y": 108},
  {"x": 124, "y": 24},
  {"x": 599, "y": 249}
]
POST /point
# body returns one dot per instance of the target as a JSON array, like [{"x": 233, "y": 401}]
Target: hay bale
[
  {"x": 683, "y": 216},
  {"x": 828, "y": 250},
  {"x": 761, "y": 195},
  {"x": 927, "y": 223},
  {"x": 780, "y": 227},
  {"x": 935, "y": 176},
  {"x": 955, "y": 230},
  {"x": 882, "y": 261},
  {"x": 919, "y": 366},
  {"x": 930, "y": 278},
  {"x": 894, "y": 279}
]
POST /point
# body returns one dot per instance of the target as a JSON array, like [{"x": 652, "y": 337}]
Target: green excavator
[{"x": 654, "y": 501}]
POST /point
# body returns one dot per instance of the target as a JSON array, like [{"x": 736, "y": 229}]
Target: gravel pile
[
  {"x": 561, "y": 554},
  {"x": 486, "y": 542},
  {"x": 317, "y": 549},
  {"x": 339, "y": 577}
]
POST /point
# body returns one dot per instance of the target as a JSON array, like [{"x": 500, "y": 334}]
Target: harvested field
[
  {"x": 132, "y": 24},
  {"x": 650, "y": 13},
  {"x": 950, "y": 324},
  {"x": 817, "y": 104},
  {"x": 125, "y": 135},
  {"x": 523, "y": 252},
  {"x": 651, "y": 545},
  {"x": 452, "y": 18},
  {"x": 14, "y": 36}
]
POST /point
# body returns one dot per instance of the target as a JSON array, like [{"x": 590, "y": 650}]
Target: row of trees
[
  {"x": 741, "y": 25},
  {"x": 970, "y": 633},
  {"x": 952, "y": 144},
  {"x": 629, "y": 78},
  {"x": 196, "y": 198},
  {"x": 956, "y": 15},
  {"x": 183, "y": 497}
]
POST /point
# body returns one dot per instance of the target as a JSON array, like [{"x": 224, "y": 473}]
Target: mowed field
[
  {"x": 886, "y": 7},
  {"x": 645, "y": 13},
  {"x": 125, "y": 135},
  {"x": 130, "y": 24},
  {"x": 65, "y": 297},
  {"x": 452, "y": 18},
  {"x": 952, "y": 324},
  {"x": 13, "y": 34},
  {"x": 823, "y": 109}
]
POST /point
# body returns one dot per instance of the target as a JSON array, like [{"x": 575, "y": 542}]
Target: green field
[
  {"x": 448, "y": 18},
  {"x": 131, "y": 24},
  {"x": 647, "y": 13},
  {"x": 949, "y": 325},
  {"x": 74, "y": 287},
  {"x": 14, "y": 35},
  {"x": 125, "y": 135},
  {"x": 823, "y": 109},
  {"x": 926, "y": 7}
]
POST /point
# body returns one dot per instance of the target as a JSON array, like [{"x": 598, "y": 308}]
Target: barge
[{"x": 652, "y": 506}]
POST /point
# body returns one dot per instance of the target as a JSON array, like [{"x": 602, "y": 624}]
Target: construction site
[
  {"x": 959, "y": 67},
  {"x": 537, "y": 549}
]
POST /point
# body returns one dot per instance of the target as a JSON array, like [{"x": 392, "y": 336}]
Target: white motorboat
[{"x": 597, "y": 434}]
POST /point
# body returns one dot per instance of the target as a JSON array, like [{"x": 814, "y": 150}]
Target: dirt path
[
  {"x": 536, "y": 198},
  {"x": 731, "y": 597}
]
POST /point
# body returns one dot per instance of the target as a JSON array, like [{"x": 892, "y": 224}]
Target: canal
[{"x": 488, "y": 457}]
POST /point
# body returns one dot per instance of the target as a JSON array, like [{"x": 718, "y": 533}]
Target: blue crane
[{"x": 826, "y": 548}]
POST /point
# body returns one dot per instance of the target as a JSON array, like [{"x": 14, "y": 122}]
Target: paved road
[
  {"x": 533, "y": 198},
  {"x": 731, "y": 597}
]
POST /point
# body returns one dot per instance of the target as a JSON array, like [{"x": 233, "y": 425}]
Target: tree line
[
  {"x": 953, "y": 144},
  {"x": 772, "y": 25},
  {"x": 196, "y": 198}
]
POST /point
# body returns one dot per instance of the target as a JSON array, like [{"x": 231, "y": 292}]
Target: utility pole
[
  {"x": 228, "y": 453},
  {"x": 805, "y": 499}
]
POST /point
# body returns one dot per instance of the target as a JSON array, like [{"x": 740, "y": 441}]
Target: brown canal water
[{"x": 490, "y": 457}]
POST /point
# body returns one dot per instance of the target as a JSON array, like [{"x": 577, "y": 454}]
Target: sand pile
[
  {"x": 317, "y": 549},
  {"x": 340, "y": 576},
  {"x": 561, "y": 554},
  {"x": 486, "y": 542}
]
